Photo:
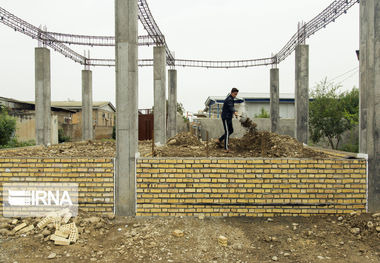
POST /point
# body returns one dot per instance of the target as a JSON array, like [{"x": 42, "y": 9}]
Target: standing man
[{"x": 227, "y": 114}]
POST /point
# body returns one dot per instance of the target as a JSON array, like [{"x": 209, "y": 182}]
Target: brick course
[{"x": 249, "y": 187}]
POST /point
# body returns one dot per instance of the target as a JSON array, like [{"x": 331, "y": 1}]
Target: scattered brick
[
  {"x": 223, "y": 241},
  {"x": 26, "y": 229},
  {"x": 18, "y": 227}
]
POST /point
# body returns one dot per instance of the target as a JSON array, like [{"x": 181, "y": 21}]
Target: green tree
[
  {"x": 180, "y": 108},
  {"x": 263, "y": 114},
  {"x": 331, "y": 113},
  {"x": 350, "y": 101},
  {"x": 7, "y": 126}
]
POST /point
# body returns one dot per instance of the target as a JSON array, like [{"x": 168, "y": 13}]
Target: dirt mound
[
  {"x": 266, "y": 144},
  {"x": 185, "y": 139},
  {"x": 253, "y": 144}
]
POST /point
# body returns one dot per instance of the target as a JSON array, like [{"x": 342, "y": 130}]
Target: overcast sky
[{"x": 196, "y": 29}]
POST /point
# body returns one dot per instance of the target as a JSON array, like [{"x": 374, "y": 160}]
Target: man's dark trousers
[{"x": 228, "y": 130}]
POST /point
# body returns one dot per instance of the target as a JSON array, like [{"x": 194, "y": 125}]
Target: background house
[
  {"x": 24, "y": 113},
  {"x": 103, "y": 115}
]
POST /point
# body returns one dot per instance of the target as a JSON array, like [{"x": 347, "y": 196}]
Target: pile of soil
[
  {"x": 267, "y": 144},
  {"x": 342, "y": 239},
  {"x": 253, "y": 144},
  {"x": 184, "y": 139}
]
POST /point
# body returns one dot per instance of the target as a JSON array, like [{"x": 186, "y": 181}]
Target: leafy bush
[
  {"x": 7, "y": 126},
  {"x": 14, "y": 143},
  {"x": 263, "y": 114}
]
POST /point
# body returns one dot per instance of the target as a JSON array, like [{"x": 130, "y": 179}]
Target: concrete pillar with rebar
[
  {"x": 369, "y": 121},
  {"x": 274, "y": 99},
  {"x": 42, "y": 96},
  {"x": 302, "y": 93},
  {"x": 87, "y": 127},
  {"x": 159, "y": 110},
  {"x": 172, "y": 103},
  {"x": 127, "y": 106}
]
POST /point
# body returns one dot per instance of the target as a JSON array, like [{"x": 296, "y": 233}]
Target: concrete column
[
  {"x": 274, "y": 99},
  {"x": 302, "y": 93},
  {"x": 87, "y": 128},
  {"x": 42, "y": 96},
  {"x": 369, "y": 130},
  {"x": 172, "y": 103},
  {"x": 127, "y": 106},
  {"x": 159, "y": 95}
]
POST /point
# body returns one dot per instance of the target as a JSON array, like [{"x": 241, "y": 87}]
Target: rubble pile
[
  {"x": 253, "y": 144},
  {"x": 185, "y": 139}
]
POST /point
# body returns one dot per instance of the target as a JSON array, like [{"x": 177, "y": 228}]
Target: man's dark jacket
[{"x": 228, "y": 108}]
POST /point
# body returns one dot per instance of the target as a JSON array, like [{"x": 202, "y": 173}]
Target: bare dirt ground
[{"x": 352, "y": 238}]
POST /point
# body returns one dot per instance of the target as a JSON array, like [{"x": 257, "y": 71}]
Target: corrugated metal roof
[
  {"x": 78, "y": 104},
  {"x": 75, "y": 105},
  {"x": 32, "y": 103}
]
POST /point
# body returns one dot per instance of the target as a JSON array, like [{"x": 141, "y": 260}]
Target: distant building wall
[
  {"x": 103, "y": 132},
  {"x": 254, "y": 108},
  {"x": 26, "y": 128}
]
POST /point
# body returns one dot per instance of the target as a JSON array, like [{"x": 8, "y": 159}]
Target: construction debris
[
  {"x": 223, "y": 241},
  {"x": 26, "y": 229},
  {"x": 18, "y": 227}
]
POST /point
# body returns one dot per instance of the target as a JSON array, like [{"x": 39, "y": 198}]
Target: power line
[
  {"x": 337, "y": 77},
  {"x": 353, "y": 74}
]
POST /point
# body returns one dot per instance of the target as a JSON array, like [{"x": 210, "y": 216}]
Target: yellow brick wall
[
  {"x": 95, "y": 177},
  {"x": 249, "y": 187},
  {"x": 214, "y": 187}
]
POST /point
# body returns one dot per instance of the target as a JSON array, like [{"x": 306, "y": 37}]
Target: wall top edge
[{"x": 56, "y": 158}]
